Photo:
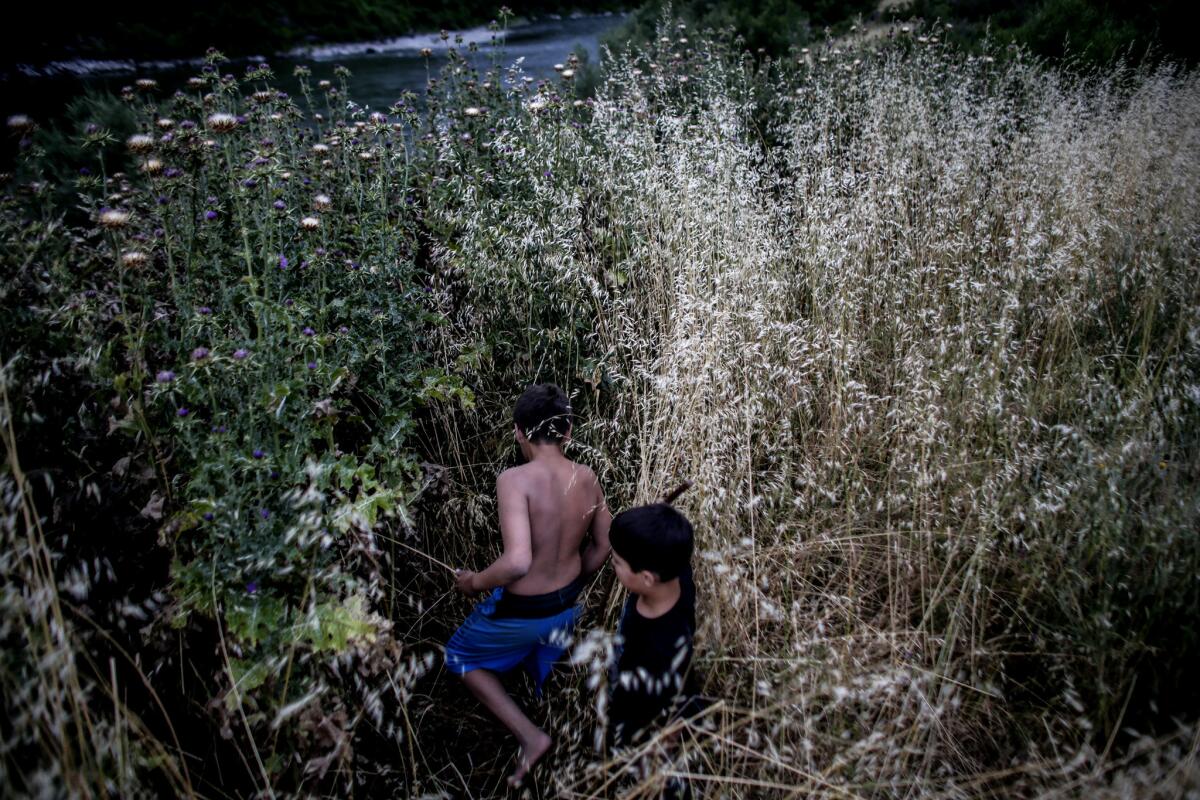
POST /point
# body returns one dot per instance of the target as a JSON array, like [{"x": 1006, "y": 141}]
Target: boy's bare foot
[{"x": 528, "y": 755}]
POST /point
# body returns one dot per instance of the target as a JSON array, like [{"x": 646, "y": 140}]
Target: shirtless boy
[{"x": 547, "y": 508}]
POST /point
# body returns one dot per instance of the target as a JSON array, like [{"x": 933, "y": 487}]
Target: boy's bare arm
[
  {"x": 595, "y": 554},
  {"x": 517, "y": 557}
]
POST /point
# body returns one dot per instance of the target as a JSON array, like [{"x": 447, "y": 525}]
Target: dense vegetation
[
  {"x": 773, "y": 26},
  {"x": 922, "y": 325},
  {"x": 1088, "y": 31}
]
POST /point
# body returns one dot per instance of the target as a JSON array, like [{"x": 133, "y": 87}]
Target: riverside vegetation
[{"x": 921, "y": 325}]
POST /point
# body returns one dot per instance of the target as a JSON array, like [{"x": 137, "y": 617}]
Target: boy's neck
[
  {"x": 659, "y": 598},
  {"x": 547, "y": 451}
]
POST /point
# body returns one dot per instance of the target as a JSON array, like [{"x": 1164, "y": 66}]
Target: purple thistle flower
[
  {"x": 249, "y": 183},
  {"x": 251, "y": 587},
  {"x": 289, "y": 302},
  {"x": 240, "y": 353},
  {"x": 210, "y": 215},
  {"x": 343, "y": 329},
  {"x": 312, "y": 365},
  {"x": 308, "y": 331},
  {"x": 163, "y": 200},
  {"x": 199, "y": 354},
  {"x": 211, "y": 200},
  {"x": 187, "y": 124},
  {"x": 173, "y": 172},
  {"x": 84, "y": 171},
  {"x": 258, "y": 452},
  {"x": 165, "y": 376},
  {"x": 209, "y": 516},
  {"x": 274, "y": 473},
  {"x": 264, "y": 513},
  {"x": 279, "y": 205},
  {"x": 183, "y": 412},
  {"x": 204, "y": 310},
  {"x": 283, "y": 262}
]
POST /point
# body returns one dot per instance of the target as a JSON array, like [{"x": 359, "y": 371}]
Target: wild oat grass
[
  {"x": 926, "y": 339},
  {"x": 923, "y": 327}
]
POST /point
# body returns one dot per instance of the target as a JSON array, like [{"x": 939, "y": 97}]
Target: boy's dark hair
[
  {"x": 543, "y": 413},
  {"x": 654, "y": 537}
]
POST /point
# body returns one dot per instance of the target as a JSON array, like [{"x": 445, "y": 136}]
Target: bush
[{"x": 236, "y": 322}]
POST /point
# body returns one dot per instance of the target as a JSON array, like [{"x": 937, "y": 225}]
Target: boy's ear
[{"x": 647, "y": 578}]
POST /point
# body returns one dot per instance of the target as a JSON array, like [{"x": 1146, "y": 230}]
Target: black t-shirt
[{"x": 652, "y": 673}]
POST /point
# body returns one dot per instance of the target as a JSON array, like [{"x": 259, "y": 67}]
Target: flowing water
[{"x": 380, "y": 71}]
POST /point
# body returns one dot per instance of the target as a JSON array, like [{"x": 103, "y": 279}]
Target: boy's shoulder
[
  {"x": 524, "y": 473},
  {"x": 584, "y": 474},
  {"x": 513, "y": 473}
]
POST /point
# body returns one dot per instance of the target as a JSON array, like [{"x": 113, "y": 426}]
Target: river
[{"x": 380, "y": 71}]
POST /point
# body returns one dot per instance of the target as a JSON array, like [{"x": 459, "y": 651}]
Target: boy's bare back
[{"x": 556, "y": 502}]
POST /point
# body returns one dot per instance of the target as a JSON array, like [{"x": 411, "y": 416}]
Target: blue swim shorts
[{"x": 494, "y": 640}]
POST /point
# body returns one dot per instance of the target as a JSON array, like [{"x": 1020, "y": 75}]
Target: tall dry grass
[{"x": 924, "y": 329}]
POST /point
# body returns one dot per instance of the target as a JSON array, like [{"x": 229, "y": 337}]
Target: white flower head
[
  {"x": 222, "y": 122},
  {"x": 134, "y": 258},
  {"x": 140, "y": 143},
  {"x": 114, "y": 219}
]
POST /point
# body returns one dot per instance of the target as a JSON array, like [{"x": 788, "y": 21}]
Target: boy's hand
[{"x": 463, "y": 581}]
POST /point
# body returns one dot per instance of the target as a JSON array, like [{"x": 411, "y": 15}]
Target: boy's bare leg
[{"x": 533, "y": 740}]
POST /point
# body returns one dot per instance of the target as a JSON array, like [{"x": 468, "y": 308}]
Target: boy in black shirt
[{"x": 651, "y": 553}]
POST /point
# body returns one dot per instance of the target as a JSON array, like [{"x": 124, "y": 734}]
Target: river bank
[{"x": 380, "y": 69}]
